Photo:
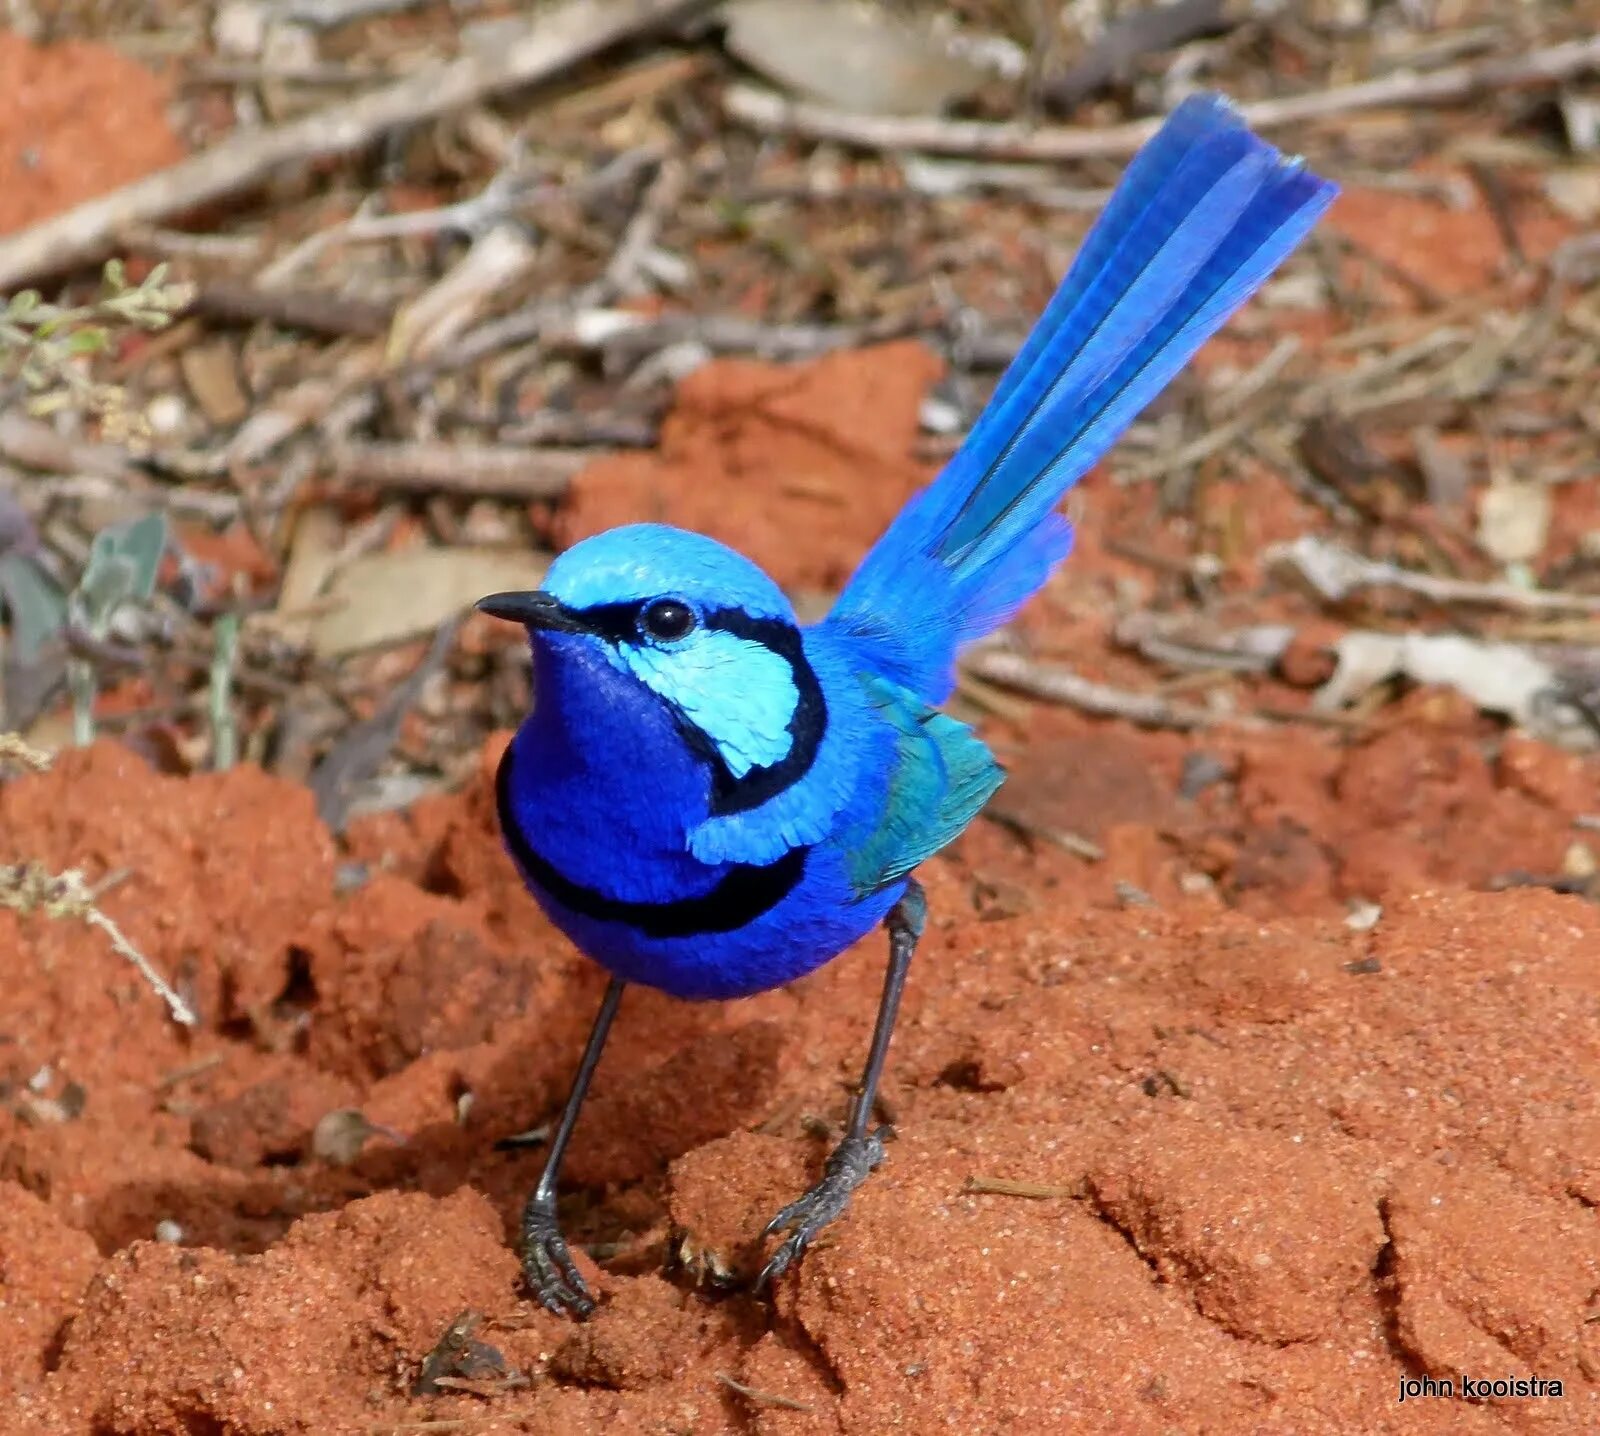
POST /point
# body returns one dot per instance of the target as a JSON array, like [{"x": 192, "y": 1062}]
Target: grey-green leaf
[
  {"x": 122, "y": 566},
  {"x": 142, "y": 543},
  {"x": 109, "y": 582},
  {"x": 37, "y": 608}
]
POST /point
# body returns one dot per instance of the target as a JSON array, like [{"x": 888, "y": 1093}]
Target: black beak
[{"x": 534, "y": 609}]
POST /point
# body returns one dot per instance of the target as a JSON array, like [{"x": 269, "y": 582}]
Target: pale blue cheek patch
[
  {"x": 739, "y": 693},
  {"x": 850, "y": 762}
]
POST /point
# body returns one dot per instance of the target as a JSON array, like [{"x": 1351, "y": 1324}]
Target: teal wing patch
[{"x": 943, "y": 774}]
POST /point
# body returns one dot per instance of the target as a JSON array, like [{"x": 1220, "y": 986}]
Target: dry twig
[
  {"x": 482, "y": 470},
  {"x": 772, "y": 114},
  {"x": 1335, "y": 573},
  {"x": 1010, "y": 1187},
  {"x": 763, "y": 1398},
  {"x": 315, "y": 313},
  {"x": 1061, "y": 685},
  {"x": 28, "y": 887},
  {"x": 14, "y": 748}
]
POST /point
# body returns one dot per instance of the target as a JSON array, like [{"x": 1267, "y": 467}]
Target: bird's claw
[
  {"x": 848, "y": 1166},
  {"x": 547, "y": 1264}
]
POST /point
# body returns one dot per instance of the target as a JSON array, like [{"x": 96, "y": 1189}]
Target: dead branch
[
  {"x": 622, "y": 332},
  {"x": 99, "y": 472},
  {"x": 1183, "y": 641},
  {"x": 33, "y": 444},
  {"x": 772, "y": 114},
  {"x": 326, "y": 14},
  {"x": 1334, "y": 573},
  {"x": 481, "y": 470},
  {"x": 1062, "y": 685},
  {"x": 627, "y": 265},
  {"x": 314, "y": 312}
]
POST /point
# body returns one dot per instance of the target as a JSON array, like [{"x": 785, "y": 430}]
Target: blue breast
[{"x": 598, "y": 791}]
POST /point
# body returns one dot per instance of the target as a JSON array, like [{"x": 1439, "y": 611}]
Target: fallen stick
[
  {"x": 772, "y": 114},
  {"x": 1334, "y": 573},
  {"x": 325, "y": 14},
  {"x": 315, "y": 311},
  {"x": 1062, "y": 685},
  {"x": 482, "y": 470},
  {"x": 1010, "y": 1187},
  {"x": 623, "y": 332},
  {"x": 558, "y": 41}
]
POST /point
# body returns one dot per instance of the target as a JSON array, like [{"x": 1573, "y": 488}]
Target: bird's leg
[
  {"x": 860, "y": 1150},
  {"x": 546, "y": 1262}
]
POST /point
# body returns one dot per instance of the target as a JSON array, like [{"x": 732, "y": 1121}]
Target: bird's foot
[
  {"x": 849, "y": 1165},
  {"x": 547, "y": 1264}
]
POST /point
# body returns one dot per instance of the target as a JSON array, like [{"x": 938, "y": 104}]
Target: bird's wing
[{"x": 942, "y": 774}]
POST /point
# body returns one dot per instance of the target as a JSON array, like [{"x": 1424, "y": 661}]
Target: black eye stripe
[
  {"x": 614, "y": 622},
  {"x": 626, "y": 622}
]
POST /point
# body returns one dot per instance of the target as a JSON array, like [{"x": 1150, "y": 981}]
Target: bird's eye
[{"x": 667, "y": 619}]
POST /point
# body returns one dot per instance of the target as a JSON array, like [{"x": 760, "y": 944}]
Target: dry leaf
[
  {"x": 1575, "y": 192},
  {"x": 211, "y": 371},
  {"x": 339, "y": 1137},
  {"x": 856, "y": 59},
  {"x": 1444, "y": 473},
  {"x": 1501, "y": 678},
  {"x": 389, "y": 597},
  {"x": 1580, "y": 113},
  {"x": 313, "y": 553},
  {"x": 1514, "y": 521}
]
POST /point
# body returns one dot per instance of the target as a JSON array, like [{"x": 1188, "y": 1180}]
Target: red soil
[
  {"x": 757, "y": 454},
  {"x": 1286, "y": 1163},
  {"x": 76, "y": 119}
]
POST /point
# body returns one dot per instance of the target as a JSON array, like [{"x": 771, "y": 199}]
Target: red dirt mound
[
  {"x": 754, "y": 454},
  {"x": 1161, "y": 1165}
]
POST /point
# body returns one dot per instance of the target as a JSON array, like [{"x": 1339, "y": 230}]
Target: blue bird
[{"x": 710, "y": 798}]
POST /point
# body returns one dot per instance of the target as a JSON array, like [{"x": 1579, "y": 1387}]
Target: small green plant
[
  {"x": 45, "y": 349},
  {"x": 121, "y": 569},
  {"x": 224, "y": 729},
  {"x": 33, "y": 603},
  {"x": 44, "y": 346}
]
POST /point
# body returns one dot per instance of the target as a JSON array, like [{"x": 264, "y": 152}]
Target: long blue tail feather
[
  {"x": 1090, "y": 320},
  {"x": 1152, "y": 273},
  {"x": 1141, "y": 181},
  {"x": 1202, "y": 217}
]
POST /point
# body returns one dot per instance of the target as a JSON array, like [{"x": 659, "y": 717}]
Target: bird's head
[{"x": 686, "y": 618}]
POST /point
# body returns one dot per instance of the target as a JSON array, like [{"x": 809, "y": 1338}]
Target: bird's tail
[{"x": 1203, "y": 215}]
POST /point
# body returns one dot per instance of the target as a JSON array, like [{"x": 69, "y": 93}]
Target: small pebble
[{"x": 1363, "y": 916}]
